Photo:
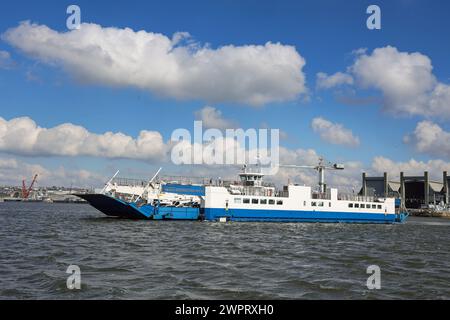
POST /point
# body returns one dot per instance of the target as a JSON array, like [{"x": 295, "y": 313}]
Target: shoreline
[{"x": 426, "y": 213}]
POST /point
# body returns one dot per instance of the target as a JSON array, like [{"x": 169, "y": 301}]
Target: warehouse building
[{"x": 418, "y": 191}]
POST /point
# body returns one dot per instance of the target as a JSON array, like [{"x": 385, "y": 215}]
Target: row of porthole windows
[
  {"x": 362, "y": 205},
  {"x": 258, "y": 201},
  {"x": 313, "y": 204}
]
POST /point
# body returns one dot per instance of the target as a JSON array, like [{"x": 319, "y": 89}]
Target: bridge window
[
  {"x": 263, "y": 201},
  {"x": 271, "y": 201},
  {"x": 255, "y": 201},
  {"x": 246, "y": 200}
]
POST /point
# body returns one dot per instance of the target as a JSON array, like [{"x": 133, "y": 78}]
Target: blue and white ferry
[{"x": 250, "y": 199}]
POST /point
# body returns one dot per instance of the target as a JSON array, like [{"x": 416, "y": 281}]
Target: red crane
[{"x": 25, "y": 191}]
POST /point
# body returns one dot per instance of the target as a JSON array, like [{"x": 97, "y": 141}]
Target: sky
[{"x": 76, "y": 105}]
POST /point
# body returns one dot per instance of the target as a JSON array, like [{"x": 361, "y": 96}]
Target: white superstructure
[{"x": 251, "y": 200}]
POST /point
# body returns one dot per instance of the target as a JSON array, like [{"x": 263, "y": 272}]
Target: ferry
[{"x": 250, "y": 199}]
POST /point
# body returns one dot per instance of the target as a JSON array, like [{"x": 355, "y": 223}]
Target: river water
[{"x": 123, "y": 259}]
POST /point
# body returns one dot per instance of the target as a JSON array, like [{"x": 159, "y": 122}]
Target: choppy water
[{"x": 123, "y": 259}]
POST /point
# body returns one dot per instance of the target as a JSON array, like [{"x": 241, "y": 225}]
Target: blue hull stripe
[
  {"x": 172, "y": 213},
  {"x": 297, "y": 216}
]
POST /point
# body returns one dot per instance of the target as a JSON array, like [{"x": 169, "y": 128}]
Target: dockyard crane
[
  {"x": 321, "y": 167},
  {"x": 26, "y": 192}
]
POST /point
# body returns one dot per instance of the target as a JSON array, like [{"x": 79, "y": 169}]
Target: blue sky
[{"x": 324, "y": 33}]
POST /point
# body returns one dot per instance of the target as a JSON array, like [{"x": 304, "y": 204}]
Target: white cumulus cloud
[
  {"x": 12, "y": 171},
  {"x": 22, "y": 136},
  {"x": 430, "y": 138},
  {"x": 334, "y": 133},
  {"x": 406, "y": 81},
  {"x": 213, "y": 118},
  {"x": 248, "y": 74},
  {"x": 6, "y": 62},
  {"x": 325, "y": 81}
]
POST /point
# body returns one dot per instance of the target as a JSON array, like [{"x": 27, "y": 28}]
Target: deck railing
[
  {"x": 129, "y": 182},
  {"x": 321, "y": 195}
]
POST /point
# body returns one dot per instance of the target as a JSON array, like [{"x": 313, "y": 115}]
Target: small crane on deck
[{"x": 321, "y": 167}]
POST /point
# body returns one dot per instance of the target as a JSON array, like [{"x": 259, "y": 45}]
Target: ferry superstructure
[{"x": 252, "y": 201}]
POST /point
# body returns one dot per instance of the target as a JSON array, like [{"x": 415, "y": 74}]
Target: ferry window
[
  {"x": 246, "y": 200},
  {"x": 350, "y": 205},
  {"x": 362, "y": 205},
  {"x": 263, "y": 201},
  {"x": 356, "y": 205},
  {"x": 320, "y": 204},
  {"x": 279, "y": 202},
  {"x": 237, "y": 200},
  {"x": 304, "y": 203},
  {"x": 314, "y": 204},
  {"x": 329, "y": 204},
  {"x": 255, "y": 201},
  {"x": 374, "y": 206},
  {"x": 271, "y": 201},
  {"x": 379, "y": 206}
]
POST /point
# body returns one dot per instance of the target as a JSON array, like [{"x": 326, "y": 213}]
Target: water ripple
[{"x": 122, "y": 259}]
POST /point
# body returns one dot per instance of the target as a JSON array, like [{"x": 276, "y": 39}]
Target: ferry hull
[
  {"x": 215, "y": 214},
  {"x": 117, "y": 208}
]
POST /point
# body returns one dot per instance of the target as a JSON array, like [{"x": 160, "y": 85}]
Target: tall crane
[
  {"x": 26, "y": 192},
  {"x": 321, "y": 167}
]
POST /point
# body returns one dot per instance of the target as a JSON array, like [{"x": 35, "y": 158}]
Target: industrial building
[{"x": 417, "y": 191}]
